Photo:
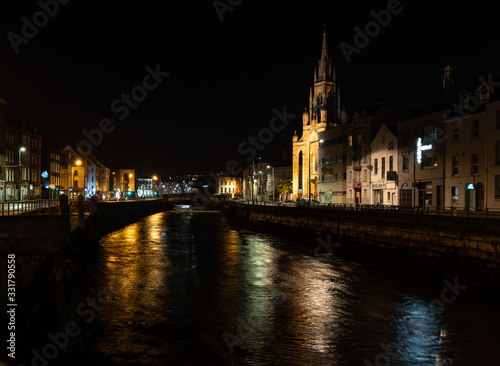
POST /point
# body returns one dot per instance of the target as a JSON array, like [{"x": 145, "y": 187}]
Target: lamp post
[
  {"x": 253, "y": 174},
  {"x": 21, "y": 149},
  {"x": 309, "y": 168},
  {"x": 154, "y": 179},
  {"x": 268, "y": 167},
  {"x": 78, "y": 163}
]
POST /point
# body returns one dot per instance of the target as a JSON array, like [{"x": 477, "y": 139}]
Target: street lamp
[
  {"x": 21, "y": 149},
  {"x": 271, "y": 167},
  {"x": 154, "y": 179},
  {"x": 253, "y": 174},
  {"x": 309, "y": 168}
]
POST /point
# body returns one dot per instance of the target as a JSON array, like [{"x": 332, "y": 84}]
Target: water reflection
[{"x": 192, "y": 290}]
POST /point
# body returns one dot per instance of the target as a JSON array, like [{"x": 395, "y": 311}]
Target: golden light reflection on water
[{"x": 179, "y": 273}]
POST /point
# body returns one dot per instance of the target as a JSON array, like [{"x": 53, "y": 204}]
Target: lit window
[
  {"x": 475, "y": 129},
  {"x": 454, "y": 194}
]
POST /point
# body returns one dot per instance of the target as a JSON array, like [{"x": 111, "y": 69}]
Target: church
[{"x": 324, "y": 112}]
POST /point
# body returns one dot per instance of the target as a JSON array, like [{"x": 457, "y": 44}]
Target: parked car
[
  {"x": 289, "y": 203},
  {"x": 309, "y": 202}
]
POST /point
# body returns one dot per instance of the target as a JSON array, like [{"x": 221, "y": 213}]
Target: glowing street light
[
  {"x": 21, "y": 149},
  {"x": 269, "y": 167}
]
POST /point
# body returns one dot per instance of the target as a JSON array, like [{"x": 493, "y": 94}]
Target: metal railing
[
  {"x": 439, "y": 211},
  {"x": 20, "y": 207}
]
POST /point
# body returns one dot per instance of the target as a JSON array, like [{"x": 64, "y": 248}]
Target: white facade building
[{"x": 384, "y": 164}]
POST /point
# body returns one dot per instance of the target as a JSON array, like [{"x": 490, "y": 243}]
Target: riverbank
[
  {"x": 54, "y": 264},
  {"x": 448, "y": 247}
]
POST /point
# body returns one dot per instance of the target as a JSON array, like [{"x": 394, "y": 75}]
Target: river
[{"x": 187, "y": 288}]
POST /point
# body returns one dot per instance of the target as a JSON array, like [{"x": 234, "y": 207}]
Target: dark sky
[{"x": 225, "y": 76}]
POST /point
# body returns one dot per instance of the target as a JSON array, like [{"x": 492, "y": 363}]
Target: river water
[{"x": 187, "y": 288}]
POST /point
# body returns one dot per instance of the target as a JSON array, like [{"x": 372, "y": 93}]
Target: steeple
[{"x": 325, "y": 70}]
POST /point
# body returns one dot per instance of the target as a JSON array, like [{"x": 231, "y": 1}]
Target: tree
[{"x": 283, "y": 186}]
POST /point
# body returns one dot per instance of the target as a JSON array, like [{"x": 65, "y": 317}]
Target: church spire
[{"x": 324, "y": 63}]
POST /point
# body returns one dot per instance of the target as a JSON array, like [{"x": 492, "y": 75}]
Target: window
[
  {"x": 429, "y": 133},
  {"x": 33, "y": 175},
  {"x": 376, "y": 166},
  {"x": 475, "y": 129},
  {"x": 350, "y": 140},
  {"x": 497, "y": 186},
  {"x": 391, "y": 163},
  {"x": 33, "y": 144},
  {"x": 429, "y": 160},
  {"x": 350, "y": 193},
  {"x": 383, "y": 167},
  {"x": 454, "y": 166},
  {"x": 350, "y": 159},
  {"x": 388, "y": 197},
  {"x": 365, "y": 193},
  {"x": 406, "y": 164},
  {"x": 365, "y": 175},
  {"x": 456, "y": 133},
  {"x": 454, "y": 194},
  {"x": 365, "y": 155},
  {"x": 350, "y": 176},
  {"x": 33, "y": 158},
  {"x": 221, "y": 190},
  {"x": 474, "y": 164},
  {"x": 497, "y": 152}
]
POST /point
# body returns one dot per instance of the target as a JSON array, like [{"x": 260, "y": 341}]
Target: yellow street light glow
[
  {"x": 78, "y": 162},
  {"x": 155, "y": 178},
  {"x": 22, "y": 149},
  {"x": 130, "y": 175}
]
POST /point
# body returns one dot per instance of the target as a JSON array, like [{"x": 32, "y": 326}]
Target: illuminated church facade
[{"x": 323, "y": 112}]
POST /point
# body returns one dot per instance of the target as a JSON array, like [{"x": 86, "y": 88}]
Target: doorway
[{"x": 469, "y": 195}]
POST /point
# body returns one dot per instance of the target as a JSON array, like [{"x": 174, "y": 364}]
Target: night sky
[{"x": 225, "y": 77}]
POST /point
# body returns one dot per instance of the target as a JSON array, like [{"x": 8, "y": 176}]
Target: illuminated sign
[
  {"x": 421, "y": 148},
  {"x": 470, "y": 186},
  {"x": 45, "y": 174}
]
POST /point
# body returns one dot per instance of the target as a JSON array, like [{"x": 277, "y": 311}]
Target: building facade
[
  {"x": 231, "y": 186},
  {"x": 322, "y": 113},
  {"x": 421, "y": 166},
  {"x": 384, "y": 175},
  {"x": 472, "y": 173},
  {"x": 332, "y": 166}
]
